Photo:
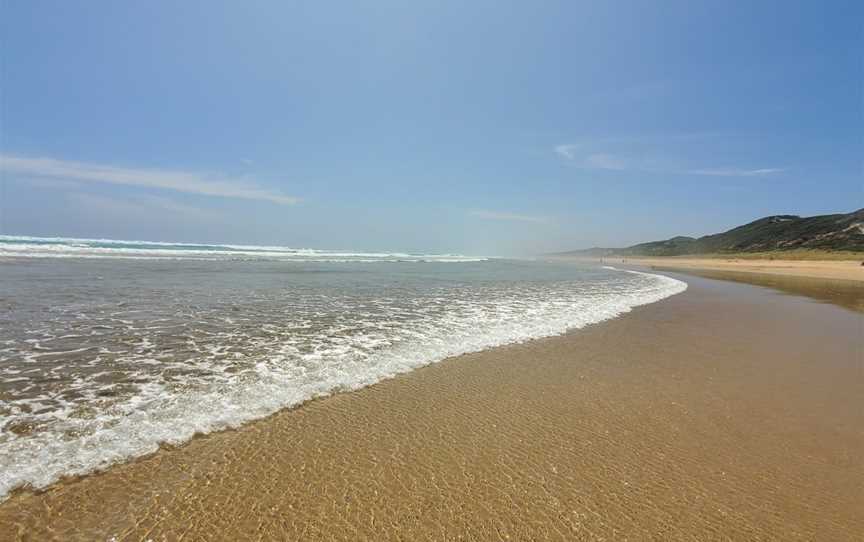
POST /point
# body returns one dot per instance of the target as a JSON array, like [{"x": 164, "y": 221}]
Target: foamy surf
[
  {"x": 65, "y": 247},
  {"x": 120, "y": 356}
]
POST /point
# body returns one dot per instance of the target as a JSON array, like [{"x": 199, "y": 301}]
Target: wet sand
[
  {"x": 843, "y": 292},
  {"x": 825, "y": 269},
  {"x": 727, "y": 412}
]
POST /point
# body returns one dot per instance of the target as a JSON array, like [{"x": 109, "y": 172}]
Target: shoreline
[
  {"x": 654, "y": 423},
  {"x": 80, "y": 457},
  {"x": 851, "y": 270}
]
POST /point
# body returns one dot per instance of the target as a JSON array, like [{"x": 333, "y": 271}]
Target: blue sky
[{"x": 477, "y": 127}]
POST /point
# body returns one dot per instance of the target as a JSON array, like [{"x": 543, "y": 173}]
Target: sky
[{"x": 482, "y": 127}]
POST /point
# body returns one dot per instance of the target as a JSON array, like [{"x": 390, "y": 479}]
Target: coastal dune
[{"x": 729, "y": 411}]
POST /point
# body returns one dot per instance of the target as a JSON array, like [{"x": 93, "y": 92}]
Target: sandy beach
[
  {"x": 295, "y": 273},
  {"x": 728, "y": 412},
  {"x": 824, "y": 269}
]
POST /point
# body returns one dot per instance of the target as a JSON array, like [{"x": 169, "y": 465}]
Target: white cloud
[
  {"x": 177, "y": 181},
  {"x": 732, "y": 172},
  {"x": 582, "y": 156},
  {"x": 604, "y": 161},
  {"x": 145, "y": 207},
  {"x": 51, "y": 184},
  {"x": 496, "y": 215},
  {"x": 567, "y": 150},
  {"x": 574, "y": 152},
  {"x": 189, "y": 211}
]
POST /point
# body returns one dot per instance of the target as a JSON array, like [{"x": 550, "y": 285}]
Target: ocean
[{"x": 109, "y": 348}]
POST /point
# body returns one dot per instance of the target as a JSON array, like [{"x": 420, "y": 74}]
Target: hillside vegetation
[{"x": 772, "y": 235}]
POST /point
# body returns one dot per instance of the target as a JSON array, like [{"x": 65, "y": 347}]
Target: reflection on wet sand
[{"x": 846, "y": 293}]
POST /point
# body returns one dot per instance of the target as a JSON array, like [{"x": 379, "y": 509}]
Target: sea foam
[
  {"x": 97, "y": 380},
  {"x": 65, "y": 247}
]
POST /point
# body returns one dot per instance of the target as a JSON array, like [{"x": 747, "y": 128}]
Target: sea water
[{"x": 109, "y": 348}]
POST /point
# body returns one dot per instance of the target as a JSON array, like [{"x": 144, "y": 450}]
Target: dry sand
[
  {"x": 726, "y": 412},
  {"x": 826, "y": 269}
]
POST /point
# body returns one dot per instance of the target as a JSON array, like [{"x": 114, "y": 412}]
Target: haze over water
[{"x": 112, "y": 347}]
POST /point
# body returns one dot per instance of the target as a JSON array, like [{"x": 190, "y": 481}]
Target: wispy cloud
[
  {"x": 567, "y": 150},
  {"x": 603, "y": 160},
  {"x": 586, "y": 156},
  {"x": 51, "y": 184},
  {"x": 177, "y": 181},
  {"x": 497, "y": 215},
  {"x": 144, "y": 207},
  {"x": 579, "y": 155},
  {"x": 176, "y": 207},
  {"x": 732, "y": 172}
]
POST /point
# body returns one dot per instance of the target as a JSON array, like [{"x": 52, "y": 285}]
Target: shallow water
[
  {"x": 726, "y": 413},
  {"x": 103, "y": 359}
]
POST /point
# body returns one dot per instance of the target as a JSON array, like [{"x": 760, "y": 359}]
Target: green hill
[{"x": 779, "y": 233}]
